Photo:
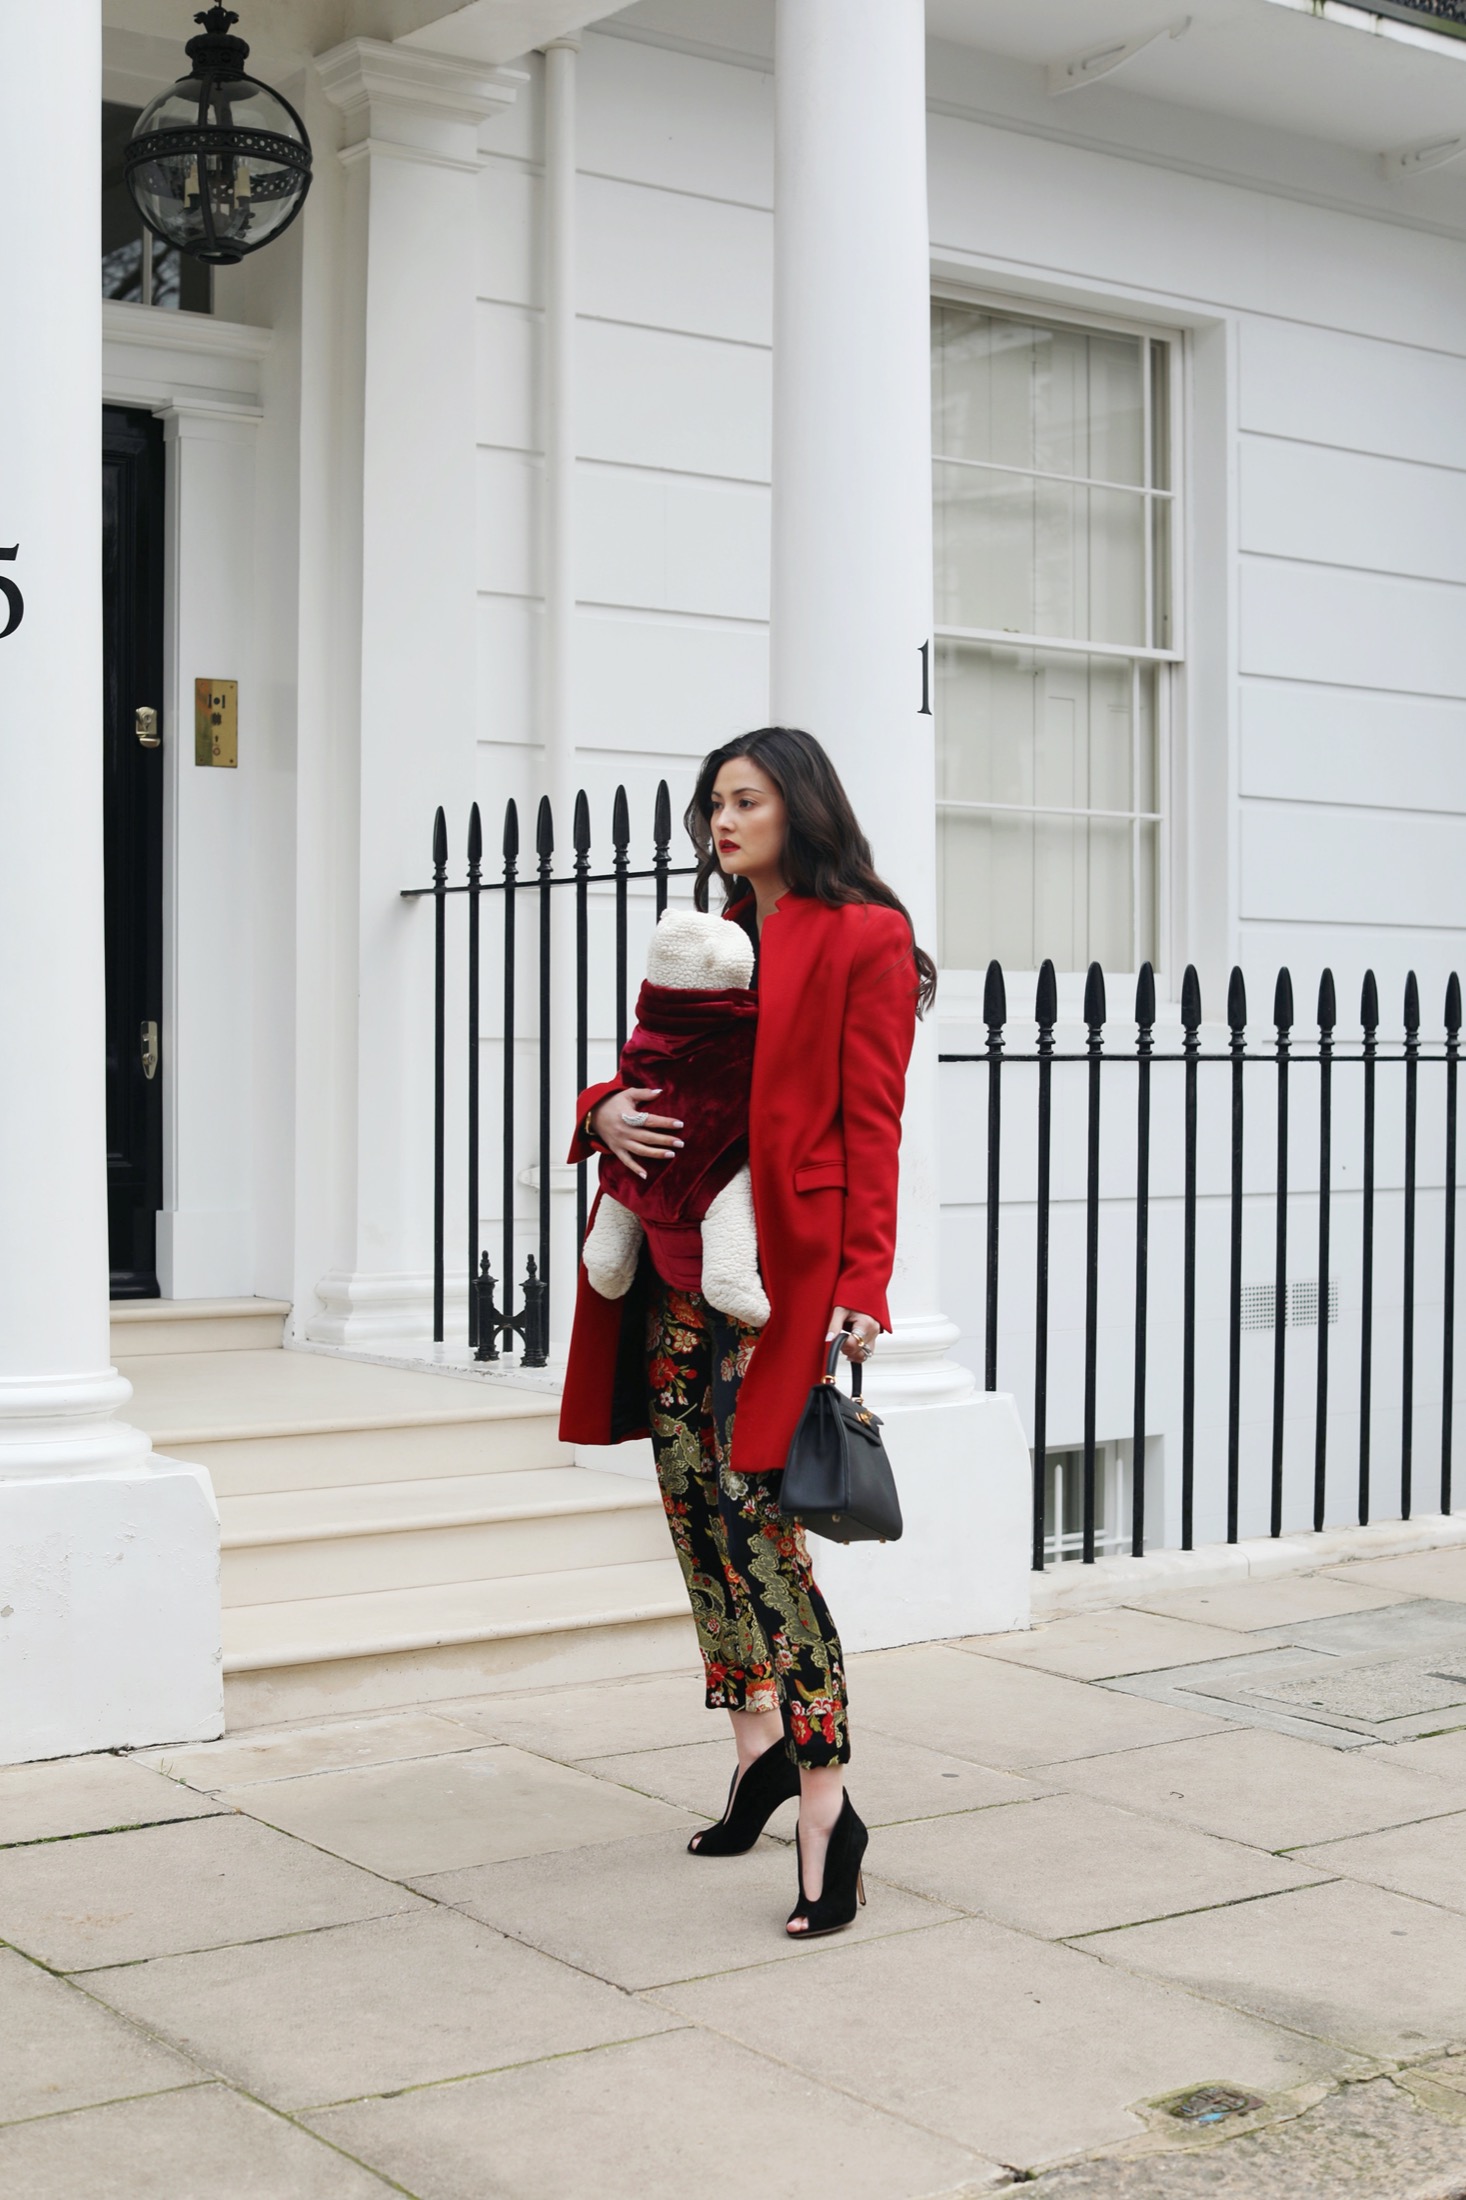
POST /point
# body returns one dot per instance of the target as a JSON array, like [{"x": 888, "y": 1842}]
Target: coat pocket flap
[{"x": 819, "y": 1176}]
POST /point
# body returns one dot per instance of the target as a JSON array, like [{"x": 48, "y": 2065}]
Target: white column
[
  {"x": 109, "y": 1610},
  {"x": 407, "y": 657},
  {"x": 852, "y": 607}
]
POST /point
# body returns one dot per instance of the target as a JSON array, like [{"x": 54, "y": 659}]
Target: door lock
[
  {"x": 149, "y": 1050},
  {"x": 145, "y": 726}
]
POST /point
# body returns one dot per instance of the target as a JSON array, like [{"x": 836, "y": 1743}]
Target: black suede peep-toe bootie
[
  {"x": 844, "y": 1886},
  {"x": 769, "y": 1781}
]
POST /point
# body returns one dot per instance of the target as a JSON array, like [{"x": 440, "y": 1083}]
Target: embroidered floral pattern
[{"x": 765, "y": 1633}]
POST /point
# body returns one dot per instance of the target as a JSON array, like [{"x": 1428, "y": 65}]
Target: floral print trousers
[{"x": 765, "y": 1633}]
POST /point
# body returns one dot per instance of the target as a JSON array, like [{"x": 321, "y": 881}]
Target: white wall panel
[
  {"x": 673, "y": 119},
  {"x": 510, "y": 638},
  {"x": 1316, "y": 744},
  {"x": 1353, "y": 391},
  {"x": 1350, "y": 867},
  {"x": 510, "y": 241},
  {"x": 507, "y": 399},
  {"x": 1348, "y": 950},
  {"x": 1300, "y": 500},
  {"x": 652, "y": 542},
  {"x": 1310, "y": 622},
  {"x": 646, "y": 397},
  {"x": 675, "y": 262},
  {"x": 667, "y": 685},
  {"x": 508, "y": 552}
]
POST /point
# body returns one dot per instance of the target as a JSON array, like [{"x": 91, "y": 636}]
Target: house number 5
[{"x": 14, "y": 601}]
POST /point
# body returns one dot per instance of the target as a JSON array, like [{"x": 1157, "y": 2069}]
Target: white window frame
[{"x": 1171, "y": 660}]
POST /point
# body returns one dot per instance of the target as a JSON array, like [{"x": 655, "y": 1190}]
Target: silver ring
[
  {"x": 866, "y": 1347},
  {"x": 633, "y": 1118}
]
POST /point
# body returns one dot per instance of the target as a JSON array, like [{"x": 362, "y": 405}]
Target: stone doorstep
[{"x": 1060, "y": 1591}]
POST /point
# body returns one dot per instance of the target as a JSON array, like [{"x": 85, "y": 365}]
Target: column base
[
  {"x": 962, "y": 1566},
  {"x": 365, "y": 1309},
  {"x": 910, "y": 1367},
  {"x": 109, "y": 1610}
]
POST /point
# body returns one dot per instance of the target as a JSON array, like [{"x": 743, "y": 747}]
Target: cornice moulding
[{"x": 413, "y": 100}]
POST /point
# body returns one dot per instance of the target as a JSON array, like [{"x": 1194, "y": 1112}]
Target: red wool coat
[{"x": 837, "y": 1016}]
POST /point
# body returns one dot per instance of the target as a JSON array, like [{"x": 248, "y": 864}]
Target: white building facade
[{"x": 1062, "y": 414}]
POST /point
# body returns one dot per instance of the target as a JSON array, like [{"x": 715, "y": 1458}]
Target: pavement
[{"x": 1165, "y": 1901}]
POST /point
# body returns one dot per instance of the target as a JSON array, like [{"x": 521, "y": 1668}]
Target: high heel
[
  {"x": 752, "y": 1800},
  {"x": 844, "y": 1887}
]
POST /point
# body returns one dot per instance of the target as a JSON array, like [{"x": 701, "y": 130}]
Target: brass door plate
[{"x": 216, "y": 723}]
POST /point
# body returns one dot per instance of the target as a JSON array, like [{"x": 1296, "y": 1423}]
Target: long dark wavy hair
[{"x": 826, "y": 855}]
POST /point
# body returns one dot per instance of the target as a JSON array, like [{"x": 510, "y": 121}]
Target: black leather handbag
[{"x": 837, "y": 1478}]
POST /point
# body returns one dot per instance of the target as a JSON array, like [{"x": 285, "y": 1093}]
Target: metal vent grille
[{"x": 1300, "y": 1311}]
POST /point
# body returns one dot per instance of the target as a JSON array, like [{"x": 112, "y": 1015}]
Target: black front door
[{"x": 132, "y": 827}]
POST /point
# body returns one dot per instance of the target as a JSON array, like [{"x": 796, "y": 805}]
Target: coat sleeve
[
  {"x": 581, "y": 1148},
  {"x": 875, "y": 1047}
]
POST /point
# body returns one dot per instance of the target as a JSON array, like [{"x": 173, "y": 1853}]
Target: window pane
[
  {"x": 1022, "y": 555},
  {"x": 1058, "y": 400},
  {"x": 122, "y": 229}
]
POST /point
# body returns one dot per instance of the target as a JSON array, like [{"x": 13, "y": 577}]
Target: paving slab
[
  {"x": 1374, "y": 1971},
  {"x": 119, "y": 1897},
  {"x": 1067, "y": 1864},
  {"x": 1232, "y": 1688},
  {"x": 681, "y": 2114},
  {"x": 401, "y": 2001},
  {"x": 654, "y": 1712},
  {"x": 890, "y": 1780},
  {"x": 291, "y": 1751},
  {"x": 1441, "y": 1754},
  {"x": 642, "y": 1913},
  {"x": 1359, "y": 2143},
  {"x": 1267, "y": 1789},
  {"x": 1417, "y": 1623},
  {"x": 447, "y": 1813},
  {"x": 58, "y": 2050},
  {"x": 1413, "y": 1573},
  {"x": 1427, "y": 1860},
  {"x": 49, "y": 1802},
  {"x": 200, "y": 2145},
  {"x": 1019, "y": 2049},
  {"x": 1094, "y": 1646},
  {"x": 1277, "y": 1602},
  {"x": 973, "y": 1706}
]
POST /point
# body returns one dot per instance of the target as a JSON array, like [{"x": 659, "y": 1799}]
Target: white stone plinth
[
  {"x": 109, "y": 1610},
  {"x": 962, "y": 1565}
]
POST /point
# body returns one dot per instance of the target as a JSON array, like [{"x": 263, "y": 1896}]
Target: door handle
[
  {"x": 145, "y": 726},
  {"x": 149, "y": 1050}
]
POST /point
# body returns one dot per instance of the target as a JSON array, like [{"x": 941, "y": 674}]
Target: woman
[{"x": 840, "y": 982}]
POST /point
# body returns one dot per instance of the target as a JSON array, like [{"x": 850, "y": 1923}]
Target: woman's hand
[
  {"x": 625, "y": 1130},
  {"x": 861, "y": 1330}
]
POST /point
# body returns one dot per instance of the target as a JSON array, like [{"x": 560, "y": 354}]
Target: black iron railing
[
  {"x": 493, "y": 1327},
  {"x": 1448, "y": 16},
  {"x": 1276, "y": 1063}
]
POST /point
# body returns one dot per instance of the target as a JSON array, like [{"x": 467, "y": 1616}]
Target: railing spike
[
  {"x": 1145, "y": 998},
  {"x": 1453, "y": 1004},
  {"x": 620, "y": 821},
  {"x": 1328, "y": 1008},
  {"x": 1094, "y": 997},
  {"x": 580, "y": 831},
  {"x": 1412, "y": 1002},
  {"x": 662, "y": 821},
  {"x": 510, "y": 847},
  {"x": 440, "y": 838},
  {"x": 1190, "y": 999},
  {"x": 544, "y": 829},
  {"x": 1046, "y": 999},
  {"x": 1236, "y": 1001},
  {"x": 994, "y": 998},
  {"x": 1283, "y": 1001},
  {"x": 1369, "y": 1002},
  {"x": 475, "y": 836}
]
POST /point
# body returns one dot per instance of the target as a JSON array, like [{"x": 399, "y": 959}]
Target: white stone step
[
  {"x": 296, "y": 1545},
  {"x": 196, "y": 1325},
  {"x": 396, "y": 1646},
  {"x": 277, "y": 1420}
]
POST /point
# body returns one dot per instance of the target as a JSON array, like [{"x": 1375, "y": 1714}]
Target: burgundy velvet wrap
[{"x": 697, "y": 1044}]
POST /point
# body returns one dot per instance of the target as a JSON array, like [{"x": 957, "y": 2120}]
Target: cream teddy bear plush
[{"x": 696, "y": 1016}]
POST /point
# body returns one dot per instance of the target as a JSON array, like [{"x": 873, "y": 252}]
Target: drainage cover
[
  {"x": 1386, "y": 1688},
  {"x": 1211, "y": 2104}
]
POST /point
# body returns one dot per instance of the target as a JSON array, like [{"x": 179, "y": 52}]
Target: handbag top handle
[{"x": 832, "y": 1362}]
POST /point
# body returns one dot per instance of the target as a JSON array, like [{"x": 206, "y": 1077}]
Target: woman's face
[{"x": 748, "y": 820}]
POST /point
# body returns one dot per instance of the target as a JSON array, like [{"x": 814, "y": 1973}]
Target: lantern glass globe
[{"x": 218, "y": 164}]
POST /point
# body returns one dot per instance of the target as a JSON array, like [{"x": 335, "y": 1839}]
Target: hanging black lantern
[{"x": 218, "y": 164}]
